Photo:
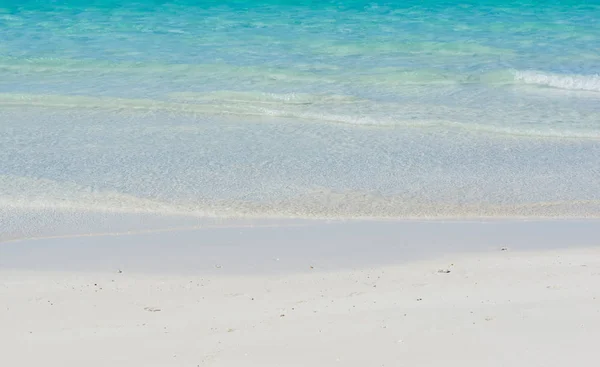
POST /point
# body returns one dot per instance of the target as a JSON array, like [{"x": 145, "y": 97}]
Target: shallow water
[{"x": 329, "y": 109}]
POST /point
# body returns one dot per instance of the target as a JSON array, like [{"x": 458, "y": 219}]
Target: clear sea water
[{"x": 329, "y": 109}]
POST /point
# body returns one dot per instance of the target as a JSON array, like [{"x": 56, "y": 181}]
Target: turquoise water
[{"x": 301, "y": 109}]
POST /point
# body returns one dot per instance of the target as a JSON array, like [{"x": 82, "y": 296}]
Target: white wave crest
[{"x": 589, "y": 83}]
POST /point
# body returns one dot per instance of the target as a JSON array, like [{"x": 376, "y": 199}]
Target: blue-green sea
[{"x": 329, "y": 109}]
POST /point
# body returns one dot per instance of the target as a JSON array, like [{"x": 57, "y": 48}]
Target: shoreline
[{"x": 284, "y": 247}]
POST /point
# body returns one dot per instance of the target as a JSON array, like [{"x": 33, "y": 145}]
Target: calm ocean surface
[{"x": 301, "y": 109}]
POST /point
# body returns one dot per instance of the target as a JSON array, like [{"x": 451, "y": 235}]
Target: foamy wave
[
  {"x": 589, "y": 83},
  {"x": 386, "y": 77},
  {"x": 314, "y": 108}
]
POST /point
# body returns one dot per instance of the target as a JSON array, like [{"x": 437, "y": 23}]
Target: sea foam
[{"x": 560, "y": 81}]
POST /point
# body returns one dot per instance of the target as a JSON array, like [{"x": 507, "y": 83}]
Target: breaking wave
[
  {"x": 590, "y": 83},
  {"x": 380, "y": 77}
]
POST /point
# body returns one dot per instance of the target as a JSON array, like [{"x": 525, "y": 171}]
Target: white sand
[{"x": 500, "y": 308}]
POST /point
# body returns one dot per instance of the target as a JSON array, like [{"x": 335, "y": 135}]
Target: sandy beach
[
  {"x": 313, "y": 183},
  {"x": 521, "y": 304}
]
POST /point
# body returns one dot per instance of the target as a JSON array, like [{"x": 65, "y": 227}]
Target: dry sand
[{"x": 496, "y": 308}]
